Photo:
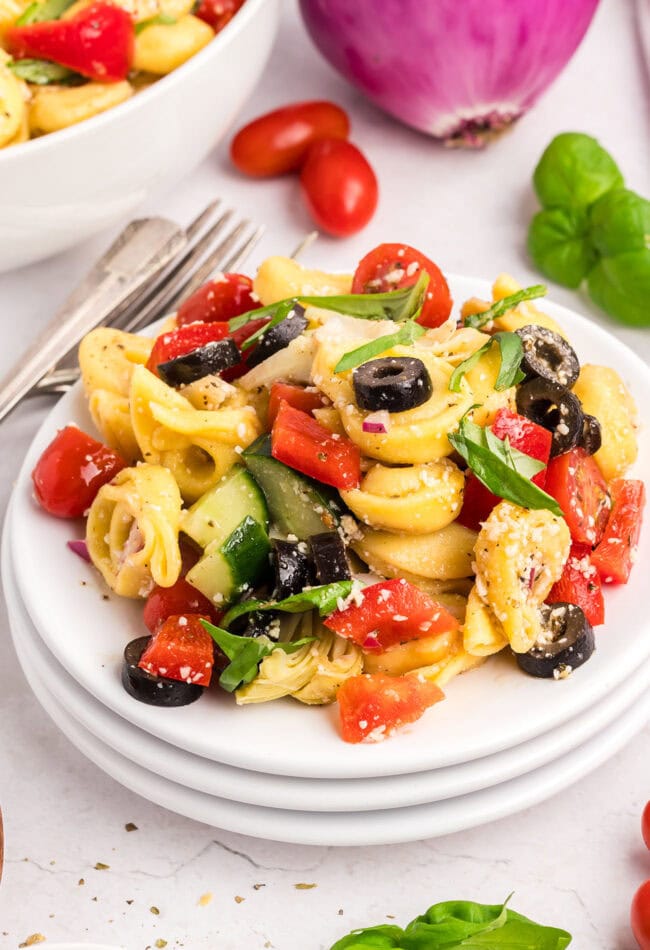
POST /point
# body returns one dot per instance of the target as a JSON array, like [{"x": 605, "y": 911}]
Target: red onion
[
  {"x": 377, "y": 422},
  {"x": 80, "y": 548},
  {"x": 460, "y": 70}
]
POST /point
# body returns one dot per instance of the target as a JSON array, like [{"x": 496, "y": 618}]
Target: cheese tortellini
[{"x": 603, "y": 394}]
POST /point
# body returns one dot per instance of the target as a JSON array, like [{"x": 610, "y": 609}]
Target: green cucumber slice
[
  {"x": 230, "y": 567},
  {"x": 297, "y": 505},
  {"x": 217, "y": 513}
]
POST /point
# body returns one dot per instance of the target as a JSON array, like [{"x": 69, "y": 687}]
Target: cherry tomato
[
  {"x": 578, "y": 486},
  {"x": 217, "y": 13},
  {"x": 277, "y": 143},
  {"x": 180, "y": 598},
  {"x": 339, "y": 187},
  {"x": 645, "y": 825},
  {"x": 221, "y": 299},
  {"x": 390, "y": 266},
  {"x": 640, "y": 916},
  {"x": 71, "y": 471}
]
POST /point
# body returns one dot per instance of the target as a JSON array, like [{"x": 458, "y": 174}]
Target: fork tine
[
  {"x": 238, "y": 258},
  {"x": 201, "y": 219},
  {"x": 305, "y": 244}
]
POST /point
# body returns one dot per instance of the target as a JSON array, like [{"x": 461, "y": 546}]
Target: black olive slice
[
  {"x": 567, "y": 643},
  {"x": 554, "y": 408},
  {"x": 330, "y": 558},
  {"x": 279, "y": 336},
  {"x": 548, "y": 355},
  {"x": 292, "y": 569},
  {"x": 154, "y": 690},
  {"x": 394, "y": 383},
  {"x": 207, "y": 360},
  {"x": 591, "y": 438}
]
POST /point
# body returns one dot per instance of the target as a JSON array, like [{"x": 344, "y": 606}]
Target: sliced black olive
[
  {"x": 548, "y": 355},
  {"x": 293, "y": 570},
  {"x": 330, "y": 558},
  {"x": 154, "y": 690},
  {"x": 207, "y": 360},
  {"x": 279, "y": 336},
  {"x": 555, "y": 408},
  {"x": 394, "y": 383},
  {"x": 591, "y": 438},
  {"x": 567, "y": 642}
]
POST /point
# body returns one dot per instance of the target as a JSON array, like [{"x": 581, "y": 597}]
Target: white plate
[
  {"x": 345, "y": 829},
  {"x": 86, "y": 633},
  {"x": 276, "y": 791}
]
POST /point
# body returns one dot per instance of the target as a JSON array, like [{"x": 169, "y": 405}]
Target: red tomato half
[
  {"x": 580, "y": 585},
  {"x": 645, "y": 825},
  {"x": 221, "y": 299},
  {"x": 301, "y": 442},
  {"x": 390, "y": 612},
  {"x": 578, "y": 486},
  {"x": 71, "y": 471},
  {"x": 296, "y": 396},
  {"x": 277, "y": 143},
  {"x": 180, "y": 650},
  {"x": 218, "y": 13},
  {"x": 339, "y": 187},
  {"x": 180, "y": 598},
  {"x": 372, "y": 706},
  {"x": 97, "y": 42},
  {"x": 640, "y": 916},
  {"x": 390, "y": 266},
  {"x": 615, "y": 554}
]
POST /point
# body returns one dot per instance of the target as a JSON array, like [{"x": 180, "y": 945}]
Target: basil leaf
[
  {"x": 454, "y": 924},
  {"x": 559, "y": 244},
  {"x": 245, "y": 654},
  {"x": 397, "y": 305},
  {"x": 48, "y": 10},
  {"x": 512, "y": 352},
  {"x": 406, "y": 334},
  {"x": 621, "y": 286},
  {"x": 499, "y": 307},
  {"x": 503, "y": 469},
  {"x": 620, "y": 222},
  {"x": 161, "y": 19},
  {"x": 574, "y": 171},
  {"x": 282, "y": 312},
  {"x": 40, "y": 72},
  {"x": 383, "y": 937},
  {"x": 325, "y": 598}
]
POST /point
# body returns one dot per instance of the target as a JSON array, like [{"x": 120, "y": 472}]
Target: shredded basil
[
  {"x": 38, "y": 12},
  {"x": 406, "y": 334},
  {"x": 325, "y": 598},
  {"x": 510, "y": 374},
  {"x": 281, "y": 313},
  {"x": 161, "y": 19},
  {"x": 499, "y": 307},
  {"x": 40, "y": 72}
]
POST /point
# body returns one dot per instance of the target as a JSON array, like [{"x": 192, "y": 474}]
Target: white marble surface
[{"x": 574, "y": 861}]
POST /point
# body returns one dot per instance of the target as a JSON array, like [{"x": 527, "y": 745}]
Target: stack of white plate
[{"x": 500, "y": 742}]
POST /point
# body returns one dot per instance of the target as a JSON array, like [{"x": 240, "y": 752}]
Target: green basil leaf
[
  {"x": 383, "y": 937},
  {"x": 453, "y": 923},
  {"x": 512, "y": 352},
  {"x": 574, "y": 171},
  {"x": 40, "y": 72},
  {"x": 161, "y": 19},
  {"x": 324, "y": 598},
  {"x": 406, "y": 334},
  {"x": 281, "y": 313},
  {"x": 621, "y": 286},
  {"x": 504, "y": 470},
  {"x": 560, "y": 246},
  {"x": 499, "y": 307},
  {"x": 620, "y": 222},
  {"x": 48, "y": 10}
]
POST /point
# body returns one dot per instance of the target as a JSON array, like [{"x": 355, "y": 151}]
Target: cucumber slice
[
  {"x": 297, "y": 505},
  {"x": 230, "y": 567},
  {"x": 217, "y": 513}
]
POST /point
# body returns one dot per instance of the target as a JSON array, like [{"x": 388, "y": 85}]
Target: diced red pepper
[
  {"x": 296, "y": 396},
  {"x": 180, "y": 650},
  {"x": 97, "y": 42},
  {"x": 390, "y": 612},
  {"x": 578, "y": 486},
  {"x": 221, "y": 299},
  {"x": 180, "y": 598},
  {"x": 524, "y": 435},
  {"x": 373, "y": 705},
  {"x": 184, "y": 340},
  {"x": 71, "y": 471},
  {"x": 615, "y": 553},
  {"x": 300, "y": 441},
  {"x": 218, "y": 13},
  {"x": 580, "y": 585}
]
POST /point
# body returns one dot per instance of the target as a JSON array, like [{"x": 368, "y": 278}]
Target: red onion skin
[
  {"x": 459, "y": 70},
  {"x": 80, "y": 548},
  {"x": 377, "y": 428}
]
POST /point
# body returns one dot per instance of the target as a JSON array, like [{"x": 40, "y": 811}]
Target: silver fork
[{"x": 223, "y": 246}]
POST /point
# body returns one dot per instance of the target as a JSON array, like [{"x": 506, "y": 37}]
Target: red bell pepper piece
[
  {"x": 372, "y": 706},
  {"x": 529, "y": 438},
  {"x": 180, "y": 598},
  {"x": 390, "y": 612},
  {"x": 184, "y": 340},
  {"x": 580, "y": 585},
  {"x": 578, "y": 486},
  {"x": 296, "y": 396},
  {"x": 615, "y": 554},
  {"x": 97, "y": 42},
  {"x": 180, "y": 650},
  {"x": 300, "y": 441}
]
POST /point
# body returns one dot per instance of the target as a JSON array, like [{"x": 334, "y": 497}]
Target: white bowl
[{"x": 61, "y": 188}]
